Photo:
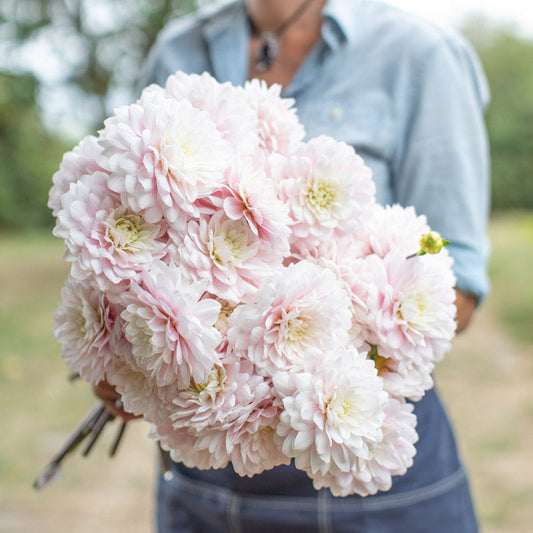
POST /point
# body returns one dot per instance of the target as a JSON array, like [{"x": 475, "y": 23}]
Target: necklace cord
[
  {"x": 268, "y": 49},
  {"x": 281, "y": 29}
]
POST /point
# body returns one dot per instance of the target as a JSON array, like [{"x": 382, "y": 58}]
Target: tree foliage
[
  {"x": 29, "y": 155},
  {"x": 95, "y": 47},
  {"x": 508, "y": 62}
]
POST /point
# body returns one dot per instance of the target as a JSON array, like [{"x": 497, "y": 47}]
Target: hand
[
  {"x": 466, "y": 305},
  {"x": 108, "y": 394}
]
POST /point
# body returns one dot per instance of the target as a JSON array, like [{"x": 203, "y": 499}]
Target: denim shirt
[{"x": 407, "y": 95}]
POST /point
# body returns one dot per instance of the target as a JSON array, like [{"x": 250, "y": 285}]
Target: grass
[
  {"x": 485, "y": 381},
  {"x": 30, "y": 370},
  {"x": 510, "y": 270},
  {"x": 39, "y": 408}
]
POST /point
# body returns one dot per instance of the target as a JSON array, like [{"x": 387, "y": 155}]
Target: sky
[{"x": 450, "y": 12}]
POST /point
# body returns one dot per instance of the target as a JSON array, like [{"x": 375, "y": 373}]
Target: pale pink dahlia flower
[
  {"x": 79, "y": 161},
  {"x": 139, "y": 392},
  {"x": 344, "y": 257},
  {"x": 392, "y": 456},
  {"x": 245, "y": 432},
  {"x": 279, "y": 128},
  {"x": 88, "y": 328},
  {"x": 225, "y": 253},
  {"x": 231, "y": 416},
  {"x": 408, "y": 315},
  {"x": 236, "y": 121},
  {"x": 182, "y": 444},
  {"x": 255, "y": 449},
  {"x": 333, "y": 412},
  {"x": 231, "y": 391},
  {"x": 300, "y": 307},
  {"x": 328, "y": 189},
  {"x": 403, "y": 379},
  {"x": 226, "y": 310},
  {"x": 164, "y": 155},
  {"x": 251, "y": 195},
  {"x": 394, "y": 228},
  {"x": 171, "y": 329},
  {"x": 205, "y": 404},
  {"x": 104, "y": 238}
]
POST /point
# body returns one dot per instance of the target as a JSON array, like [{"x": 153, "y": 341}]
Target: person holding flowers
[{"x": 409, "y": 97}]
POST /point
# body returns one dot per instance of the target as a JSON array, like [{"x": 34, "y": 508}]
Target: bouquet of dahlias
[{"x": 243, "y": 291}]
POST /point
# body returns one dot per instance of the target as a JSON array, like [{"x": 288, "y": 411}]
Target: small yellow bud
[{"x": 431, "y": 243}]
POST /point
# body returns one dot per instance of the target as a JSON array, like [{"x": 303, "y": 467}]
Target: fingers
[
  {"x": 466, "y": 305},
  {"x": 111, "y": 398}
]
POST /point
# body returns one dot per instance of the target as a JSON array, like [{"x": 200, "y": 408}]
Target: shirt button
[
  {"x": 335, "y": 113},
  {"x": 168, "y": 475}
]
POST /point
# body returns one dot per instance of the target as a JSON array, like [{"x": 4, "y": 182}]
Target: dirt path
[{"x": 486, "y": 384}]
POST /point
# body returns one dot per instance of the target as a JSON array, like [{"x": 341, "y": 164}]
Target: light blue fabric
[{"x": 407, "y": 95}]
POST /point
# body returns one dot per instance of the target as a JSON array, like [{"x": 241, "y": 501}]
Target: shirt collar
[
  {"x": 343, "y": 17},
  {"x": 340, "y": 12},
  {"x": 228, "y": 34}
]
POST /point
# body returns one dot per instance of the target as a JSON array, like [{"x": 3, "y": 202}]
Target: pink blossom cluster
[{"x": 243, "y": 291}]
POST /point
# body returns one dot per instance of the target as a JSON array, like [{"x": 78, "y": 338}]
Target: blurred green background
[{"x": 62, "y": 69}]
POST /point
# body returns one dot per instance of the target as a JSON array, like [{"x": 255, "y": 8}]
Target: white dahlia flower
[
  {"x": 392, "y": 456},
  {"x": 225, "y": 253},
  {"x": 139, "y": 392},
  {"x": 245, "y": 425},
  {"x": 255, "y": 449},
  {"x": 300, "y": 307},
  {"x": 333, "y": 412},
  {"x": 204, "y": 404},
  {"x": 405, "y": 378},
  {"x": 251, "y": 195},
  {"x": 182, "y": 444},
  {"x": 394, "y": 228},
  {"x": 408, "y": 315}
]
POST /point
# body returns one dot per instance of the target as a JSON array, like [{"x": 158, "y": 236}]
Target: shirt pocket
[{"x": 364, "y": 122}]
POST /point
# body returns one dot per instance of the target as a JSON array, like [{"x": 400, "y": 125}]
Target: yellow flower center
[
  {"x": 198, "y": 387},
  {"x": 81, "y": 322},
  {"x": 340, "y": 405},
  {"x": 124, "y": 232},
  {"x": 186, "y": 149},
  {"x": 297, "y": 329},
  {"x": 414, "y": 309},
  {"x": 228, "y": 247},
  {"x": 212, "y": 385},
  {"x": 321, "y": 195}
]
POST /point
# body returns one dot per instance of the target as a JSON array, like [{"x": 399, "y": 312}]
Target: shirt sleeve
[{"x": 442, "y": 167}]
